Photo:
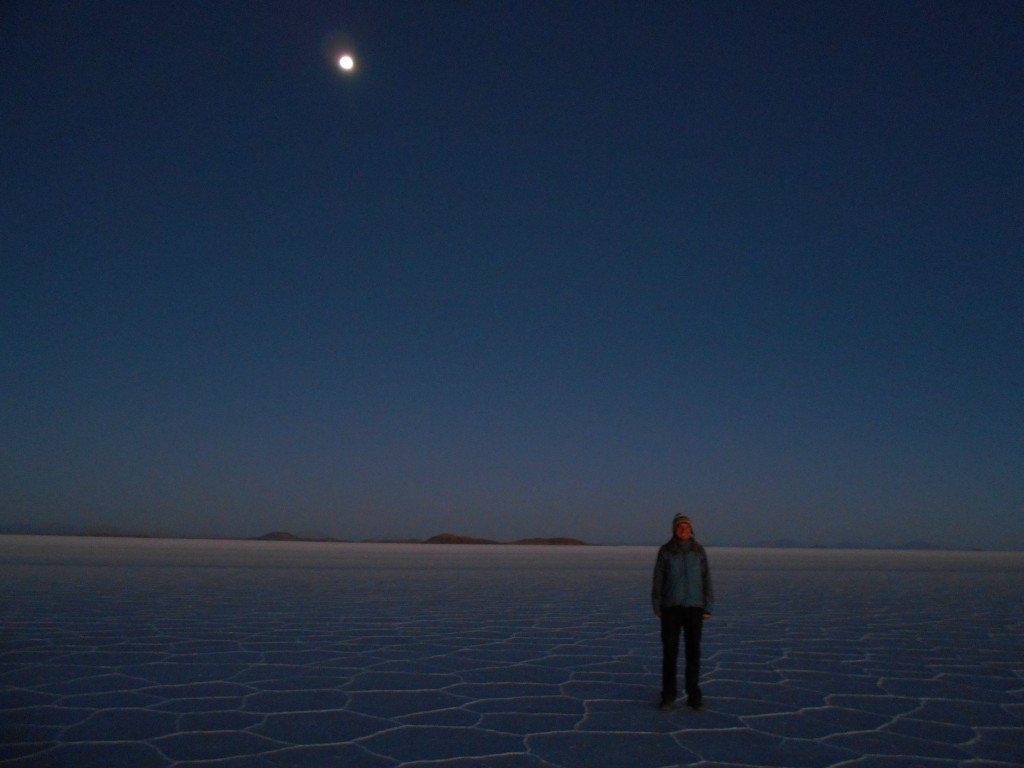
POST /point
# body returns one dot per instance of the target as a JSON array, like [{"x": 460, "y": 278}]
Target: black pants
[{"x": 690, "y": 622}]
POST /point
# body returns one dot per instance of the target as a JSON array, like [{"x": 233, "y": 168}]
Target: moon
[{"x": 346, "y": 62}]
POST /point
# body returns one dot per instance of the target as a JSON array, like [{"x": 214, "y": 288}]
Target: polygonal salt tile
[
  {"x": 124, "y": 699},
  {"x": 1016, "y": 710},
  {"x": 598, "y": 673},
  {"x": 180, "y": 674},
  {"x": 939, "y": 689},
  {"x": 204, "y": 646},
  {"x": 525, "y": 673},
  {"x": 739, "y": 707},
  {"x": 878, "y": 703},
  {"x": 580, "y": 650},
  {"x": 570, "y": 662},
  {"x": 815, "y": 723},
  {"x": 740, "y": 658},
  {"x": 236, "y": 658},
  {"x": 769, "y": 692},
  {"x": 631, "y": 716},
  {"x": 28, "y": 733},
  {"x": 618, "y": 667},
  {"x": 295, "y": 701},
  {"x": 834, "y": 683},
  {"x": 398, "y": 703},
  {"x": 903, "y": 761},
  {"x": 740, "y": 675},
  {"x": 760, "y": 749},
  {"x": 15, "y": 698},
  {"x": 320, "y": 756},
  {"x": 458, "y": 718},
  {"x": 608, "y": 750},
  {"x": 218, "y": 720},
  {"x": 409, "y": 743},
  {"x": 453, "y": 661},
  {"x": 396, "y": 681},
  {"x": 299, "y": 682},
  {"x": 122, "y": 725},
  {"x": 212, "y": 745},
  {"x": 437, "y": 665},
  {"x": 820, "y": 663},
  {"x": 492, "y": 761},
  {"x": 26, "y": 656},
  {"x": 306, "y": 657},
  {"x": 98, "y": 684},
  {"x": 100, "y": 755},
  {"x": 201, "y": 690},
  {"x": 45, "y": 715},
  {"x": 259, "y": 675},
  {"x": 530, "y": 704},
  {"x": 479, "y": 691},
  {"x": 112, "y": 658},
  {"x": 17, "y": 750},
  {"x": 211, "y": 704},
  {"x": 973, "y": 713},
  {"x": 320, "y": 727},
  {"x": 889, "y": 743},
  {"x": 947, "y": 733},
  {"x": 1001, "y": 683},
  {"x": 1003, "y": 745},
  {"x": 500, "y": 655},
  {"x": 521, "y": 723},
  {"x": 596, "y": 690}
]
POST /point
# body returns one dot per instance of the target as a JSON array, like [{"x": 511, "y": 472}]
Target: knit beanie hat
[{"x": 680, "y": 519}]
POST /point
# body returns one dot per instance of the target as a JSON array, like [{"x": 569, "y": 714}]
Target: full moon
[{"x": 346, "y": 62}]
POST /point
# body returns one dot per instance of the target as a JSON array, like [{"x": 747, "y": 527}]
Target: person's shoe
[
  {"x": 667, "y": 704},
  {"x": 697, "y": 706}
]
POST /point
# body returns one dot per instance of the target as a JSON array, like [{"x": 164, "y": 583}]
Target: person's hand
[
  {"x": 658, "y": 614},
  {"x": 706, "y": 616}
]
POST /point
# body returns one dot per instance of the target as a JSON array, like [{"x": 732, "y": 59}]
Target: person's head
[{"x": 682, "y": 528}]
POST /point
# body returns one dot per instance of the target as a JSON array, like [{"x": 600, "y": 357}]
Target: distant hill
[
  {"x": 286, "y": 536},
  {"x": 278, "y": 536},
  {"x": 27, "y": 529},
  {"x": 451, "y": 538}
]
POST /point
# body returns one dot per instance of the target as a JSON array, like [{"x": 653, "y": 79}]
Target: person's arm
[
  {"x": 657, "y": 584},
  {"x": 709, "y": 592}
]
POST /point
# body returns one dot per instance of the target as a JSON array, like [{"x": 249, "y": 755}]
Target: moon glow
[{"x": 346, "y": 62}]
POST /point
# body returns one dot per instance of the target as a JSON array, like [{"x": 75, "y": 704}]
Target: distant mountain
[
  {"x": 451, "y": 538},
  {"x": 278, "y": 536},
  {"x": 26, "y": 529},
  {"x": 286, "y": 536}
]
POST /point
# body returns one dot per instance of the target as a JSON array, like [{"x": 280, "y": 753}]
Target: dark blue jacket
[{"x": 681, "y": 577}]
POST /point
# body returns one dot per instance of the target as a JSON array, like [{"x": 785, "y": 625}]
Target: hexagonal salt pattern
[{"x": 178, "y": 654}]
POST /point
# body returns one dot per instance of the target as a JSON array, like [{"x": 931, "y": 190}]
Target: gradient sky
[{"x": 532, "y": 269}]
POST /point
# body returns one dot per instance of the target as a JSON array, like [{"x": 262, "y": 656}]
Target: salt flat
[{"x": 145, "y": 652}]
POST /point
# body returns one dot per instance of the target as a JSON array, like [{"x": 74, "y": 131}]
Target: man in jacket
[{"x": 682, "y": 598}]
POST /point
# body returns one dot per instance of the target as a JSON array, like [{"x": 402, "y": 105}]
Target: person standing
[{"x": 683, "y": 599}]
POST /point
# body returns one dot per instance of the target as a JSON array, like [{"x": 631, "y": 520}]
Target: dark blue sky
[{"x": 533, "y": 269}]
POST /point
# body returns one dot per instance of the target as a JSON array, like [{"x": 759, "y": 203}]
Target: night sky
[{"x": 530, "y": 269}]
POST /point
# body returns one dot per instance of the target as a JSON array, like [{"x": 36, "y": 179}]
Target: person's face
[{"x": 684, "y": 531}]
